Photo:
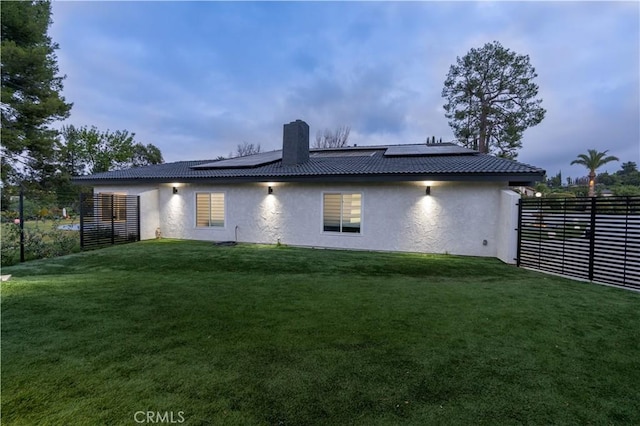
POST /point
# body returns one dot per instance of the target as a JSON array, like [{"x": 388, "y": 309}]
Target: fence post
[
  {"x": 519, "y": 232},
  {"x": 81, "y": 220},
  {"x": 627, "y": 213},
  {"x": 138, "y": 216},
  {"x": 541, "y": 222},
  {"x": 564, "y": 231},
  {"x": 592, "y": 237},
  {"x": 113, "y": 223},
  {"x": 21, "y": 224}
]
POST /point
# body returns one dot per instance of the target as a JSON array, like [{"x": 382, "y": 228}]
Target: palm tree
[{"x": 593, "y": 161}]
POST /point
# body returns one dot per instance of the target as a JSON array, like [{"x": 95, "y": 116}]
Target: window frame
[
  {"x": 341, "y": 231},
  {"x": 224, "y": 210}
]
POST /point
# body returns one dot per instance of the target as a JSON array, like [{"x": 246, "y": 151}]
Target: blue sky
[{"x": 198, "y": 78}]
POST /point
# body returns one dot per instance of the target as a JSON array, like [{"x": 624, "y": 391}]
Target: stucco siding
[
  {"x": 508, "y": 226},
  {"x": 456, "y": 218}
]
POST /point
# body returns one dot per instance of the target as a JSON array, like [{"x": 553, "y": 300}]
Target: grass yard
[{"x": 287, "y": 336}]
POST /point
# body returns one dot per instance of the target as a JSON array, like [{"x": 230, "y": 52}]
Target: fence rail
[
  {"x": 597, "y": 239},
  {"x": 109, "y": 219}
]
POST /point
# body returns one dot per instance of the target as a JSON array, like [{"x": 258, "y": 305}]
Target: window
[
  {"x": 112, "y": 206},
  {"x": 342, "y": 212},
  {"x": 210, "y": 209}
]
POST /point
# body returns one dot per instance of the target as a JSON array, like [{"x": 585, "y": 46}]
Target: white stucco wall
[
  {"x": 507, "y": 226},
  {"x": 456, "y": 218}
]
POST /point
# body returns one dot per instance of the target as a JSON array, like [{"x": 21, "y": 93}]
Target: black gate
[
  {"x": 108, "y": 219},
  {"x": 597, "y": 239}
]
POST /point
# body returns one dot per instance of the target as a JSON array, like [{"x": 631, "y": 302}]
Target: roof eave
[{"x": 518, "y": 178}]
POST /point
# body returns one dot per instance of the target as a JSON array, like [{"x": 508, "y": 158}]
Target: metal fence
[
  {"x": 109, "y": 219},
  {"x": 597, "y": 239}
]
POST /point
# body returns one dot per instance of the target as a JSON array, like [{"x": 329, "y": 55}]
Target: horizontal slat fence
[
  {"x": 108, "y": 219},
  {"x": 597, "y": 239}
]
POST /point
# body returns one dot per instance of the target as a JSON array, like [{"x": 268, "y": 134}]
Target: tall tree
[
  {"x": 246, "y": 148},
  {"x": 629, "y": 174},
  {"x": 337, "y": 138},
  {"x": 89, "y": 150},
  {"x": 107, "y": 150},
  {"x": 491, "y": 99},
  {"x": 628, "y": 168},
  {"x": 71, "y": 153},
  {"x": 30, "y": 95},
  {"x": 607, "y": 179},
  {"x": 555, "y": 181},
  {"x": 593, "y": 160},
  {"x": 144, "y": 155}
]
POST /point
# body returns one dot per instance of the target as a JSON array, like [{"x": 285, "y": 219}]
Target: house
[{"x": 438, "y": 198}]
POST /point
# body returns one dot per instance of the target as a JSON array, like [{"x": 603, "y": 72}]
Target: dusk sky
[{"x": 198, "y": 78}]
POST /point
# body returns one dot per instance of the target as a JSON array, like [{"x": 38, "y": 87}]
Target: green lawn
[{"x": 285, "y": 336}]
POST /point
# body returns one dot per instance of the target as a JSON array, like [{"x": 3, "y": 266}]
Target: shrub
[
  {"x": 10, "y": 244},
  {"x": 626, "y": 190},
  {"x": 9, "y": 216},
  {"x": 40, "y": 242}
]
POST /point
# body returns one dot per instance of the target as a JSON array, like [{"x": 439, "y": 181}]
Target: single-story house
[{"x": 430, "y": 198}]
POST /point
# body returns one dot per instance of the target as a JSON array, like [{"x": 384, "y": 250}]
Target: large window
[
  {"x": 210, "y": 209},
  {"x": 342, "y": 212}
]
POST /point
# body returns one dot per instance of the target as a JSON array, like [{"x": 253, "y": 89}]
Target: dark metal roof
[{"x": 373, "y": 165}]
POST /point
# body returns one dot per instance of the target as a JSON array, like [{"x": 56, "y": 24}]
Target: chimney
[{"x": 295, "y": 143}]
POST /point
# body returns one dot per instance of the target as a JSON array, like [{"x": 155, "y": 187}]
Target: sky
[{"x": 198, "y": 78}]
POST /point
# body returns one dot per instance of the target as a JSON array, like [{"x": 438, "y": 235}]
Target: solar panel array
[
  {"x": 243, "y": 162},
  {"x": 421, "y": 150},
  {"x": 343, "y": 153},
  {"x": 391, "y": 151}
]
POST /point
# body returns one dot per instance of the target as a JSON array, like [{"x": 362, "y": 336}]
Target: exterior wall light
[
  {"x": 175, "y": 190},
  {"x": 538, "y": 194},
  {"x": 428, "y": 191},
  {"x": 270, "y": 190}
]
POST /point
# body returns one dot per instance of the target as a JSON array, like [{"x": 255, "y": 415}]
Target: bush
[
  {"x": 10, "y": 244},
  {"x": 39, "y": 242},
  {"x": 9, "y": 216},
  {"x": 626, "y": 190},
  {"x": 555, "y": 201},
  {"x": 561, "y": 195}
]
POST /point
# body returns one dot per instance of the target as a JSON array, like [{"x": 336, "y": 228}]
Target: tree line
[{"x": 624, "y": 182}]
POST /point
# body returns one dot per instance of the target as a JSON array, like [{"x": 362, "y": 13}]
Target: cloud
[{"x": 198, "y": 78}]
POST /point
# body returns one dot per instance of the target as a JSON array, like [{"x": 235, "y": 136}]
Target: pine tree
[
  {"x": 31, "y": 87},
  {"x": 491, "y": 99}
]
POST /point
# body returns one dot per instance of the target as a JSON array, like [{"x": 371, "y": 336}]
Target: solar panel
[
  {"x": 425, "y": 150},
  {"x": 243, "y": 162},
  {"x": 343, "y": 153}
]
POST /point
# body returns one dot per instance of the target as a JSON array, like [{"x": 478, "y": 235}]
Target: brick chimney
[{"x": 295, "y": 143}]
